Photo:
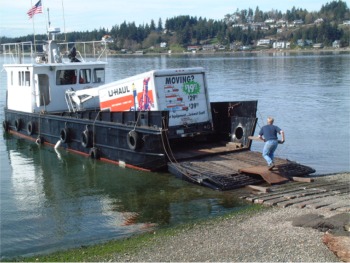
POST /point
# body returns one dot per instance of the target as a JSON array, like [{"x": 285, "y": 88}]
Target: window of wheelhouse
[
  {"x": 24, "y": 78},
  {"x": 99, "y": 75},
  {"x": 84, "y": 76},
  {"x": 66, "y": 77}
]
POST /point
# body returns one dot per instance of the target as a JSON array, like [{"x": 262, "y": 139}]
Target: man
[{"x": 268, "y": 134}]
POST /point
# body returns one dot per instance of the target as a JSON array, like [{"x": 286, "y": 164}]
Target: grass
[{"x": 105, "y": 251}]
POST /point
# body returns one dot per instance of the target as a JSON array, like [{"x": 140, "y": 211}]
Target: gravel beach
[{"x": 269, "y": 235}]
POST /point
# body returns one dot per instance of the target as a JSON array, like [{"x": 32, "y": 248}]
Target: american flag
[{"x": 36, "y": 9}]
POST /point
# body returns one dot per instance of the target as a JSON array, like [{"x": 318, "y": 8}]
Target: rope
[
  {"x": 171, "y": 156},
  {"x": 137, "y": 120},
  {"x": 93, "y": 129}
]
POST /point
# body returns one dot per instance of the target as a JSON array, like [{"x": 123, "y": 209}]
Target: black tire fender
[
  {"x": 64, "y": 135},
  {"x": 18, "y": 124},
  {"x": 132, "y": 138},
  {"x": 86, "y": 139},
  {"x": 39, "y": 140},
  {"x": 5, "y": 126},
  {"x": 30, "y": 128},
  {"x": 94, "y": 153}
]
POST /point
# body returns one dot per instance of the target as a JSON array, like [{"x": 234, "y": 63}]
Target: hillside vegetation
[{"x": 242, "y": 28}]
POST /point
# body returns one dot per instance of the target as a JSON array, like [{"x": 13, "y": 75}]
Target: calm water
[{"x": 54, "y": 200}]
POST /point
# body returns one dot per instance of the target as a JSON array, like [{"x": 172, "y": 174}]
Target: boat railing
[
  {"x": 15, "y": 53},
  {"x": 88, "y": 50},
  {"x": 27, "y": 52}
]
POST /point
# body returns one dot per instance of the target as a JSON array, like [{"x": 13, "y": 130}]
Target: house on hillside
[
  {"x": 208, "y": 47},
  {"x": 270, "y": 21},
  {"x": 264, "y": 43},
  {"x": 336, "y": 44},
  {"x": 319, "y": 21},
  {"x": 281, "y": 45},
  {"x": 281, "y": 23},
  {"x": 302, "y": 42},
  {"x": 298, "y": 22},
  {"x": 193, "y": 48},
  {"x": 318, "y": 45}
]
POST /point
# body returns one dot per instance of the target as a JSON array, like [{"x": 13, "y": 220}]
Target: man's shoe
[{"x": 271, "y": 166}]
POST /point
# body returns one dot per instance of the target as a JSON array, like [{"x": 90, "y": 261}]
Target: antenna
[
  {"x": 48, "y": 17},
  {"x": 64, "y": 23},
  {"x": 49, "y": 23}
]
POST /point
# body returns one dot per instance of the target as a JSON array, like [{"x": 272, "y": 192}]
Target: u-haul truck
[{"x": 182, "y": 92}]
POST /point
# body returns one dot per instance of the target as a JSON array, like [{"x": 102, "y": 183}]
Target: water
[{"x": 55, "y": 200}]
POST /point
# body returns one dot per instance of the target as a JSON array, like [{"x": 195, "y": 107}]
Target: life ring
[
  {"x": 30, "y": 128},
  {"x": 64, "y": 135},
  {"x": 39, "y": 140},
  {"x": 132, "y": 139},
  {"x": 5, "y": 125},
  {"x": 94, "y": 153},
  {"x": 85, "y": 139},
  {"x": 18, "y": 123}
]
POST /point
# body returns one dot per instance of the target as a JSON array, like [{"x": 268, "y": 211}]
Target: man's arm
[{"x": 283, "y": 136}]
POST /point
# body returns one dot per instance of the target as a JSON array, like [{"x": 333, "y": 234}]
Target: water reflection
[{"x": 72, "y": 200}]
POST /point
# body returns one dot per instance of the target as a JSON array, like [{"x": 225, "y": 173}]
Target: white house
[
  {"x": 264, "y": 42},
  {"x": 319, "y": 21},
  {"x": 336, "y": 44}
]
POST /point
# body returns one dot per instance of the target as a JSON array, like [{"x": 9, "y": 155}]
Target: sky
[{"x": 87, "y": 15}]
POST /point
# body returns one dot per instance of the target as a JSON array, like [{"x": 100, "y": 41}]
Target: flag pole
[{"x": 31, "y": 4}]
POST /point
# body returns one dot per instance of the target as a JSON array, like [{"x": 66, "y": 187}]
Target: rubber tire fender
[
  {"x": 64, "y": 135},
  {"x": 5, "y": 126},
  {"x": 85, "y": 139},
  {"x": 94, "y": 153},
  {"x": 39, "y": 140},
  {"x": 132, "y": 138},
  {"x": 30, "y": 128},
  {"x": 18, "y": 124}
]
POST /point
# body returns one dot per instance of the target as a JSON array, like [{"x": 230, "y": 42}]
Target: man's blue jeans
[{"x": 269, "y": 149}]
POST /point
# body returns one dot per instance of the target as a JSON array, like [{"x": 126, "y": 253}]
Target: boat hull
[{"x": 130, "y": 139}]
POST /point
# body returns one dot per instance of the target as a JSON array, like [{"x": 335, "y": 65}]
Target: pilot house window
[
  {"x": 66, "y": 77},
  {"x": 24, "y": 78},
  {"x": 84, "y": 76},
  {"x": 99, "y": 75}
]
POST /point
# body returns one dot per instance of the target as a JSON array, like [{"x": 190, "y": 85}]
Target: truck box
[{"x": 182, "y": 92}]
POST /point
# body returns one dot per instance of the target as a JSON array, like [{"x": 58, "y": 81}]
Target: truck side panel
[
  {"x": 184, "y": 96},
  {"x": 135, "y": 93}
]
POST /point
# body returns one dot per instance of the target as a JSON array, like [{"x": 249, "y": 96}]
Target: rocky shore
[
  {"x": 275, "y": 234},
  {"x": 260, "y": 234}
]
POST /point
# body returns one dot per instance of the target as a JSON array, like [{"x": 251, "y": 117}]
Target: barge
[{"x": 157, "y": 120}]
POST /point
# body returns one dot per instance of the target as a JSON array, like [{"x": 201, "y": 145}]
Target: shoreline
[
  {"x": 261, "y": 51},
  {"x": 256, "y": 234}
]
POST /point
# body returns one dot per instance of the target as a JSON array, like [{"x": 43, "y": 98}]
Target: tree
[
  {"x": 258, "y": 15},
  {"x": 152, "y": 26},
  {"x": 160, "y": 25}
]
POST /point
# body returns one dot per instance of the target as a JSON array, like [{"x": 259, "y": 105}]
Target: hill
[{"x": 243, "y": 29}]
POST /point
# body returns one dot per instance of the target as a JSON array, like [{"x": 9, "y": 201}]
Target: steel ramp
[{"x": 234, "y": 170}]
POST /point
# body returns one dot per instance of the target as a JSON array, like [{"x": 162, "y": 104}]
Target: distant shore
[{"x": 261, "y": 51}]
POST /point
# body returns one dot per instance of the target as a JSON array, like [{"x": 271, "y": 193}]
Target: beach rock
[{"x": 339, "y": 245}]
